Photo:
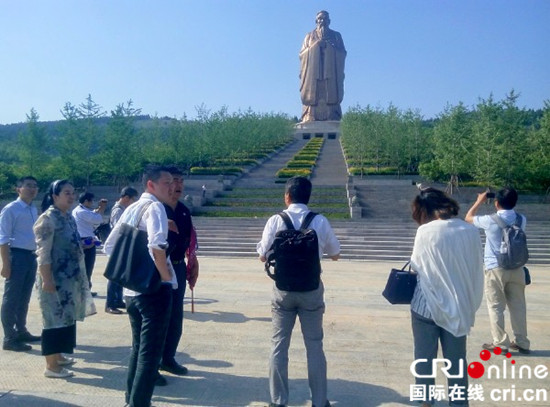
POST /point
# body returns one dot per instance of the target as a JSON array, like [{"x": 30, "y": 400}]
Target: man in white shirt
[
  {"x": 309, "y": 306},
  {"x": 503, "y": 287},
  {"x": 87, "y": 219},
  {"x": 17, "y": 248},
  {"x": 148, "y": 313}
]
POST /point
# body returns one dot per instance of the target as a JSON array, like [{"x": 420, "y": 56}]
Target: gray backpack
[{"x": 513, "y": 247}]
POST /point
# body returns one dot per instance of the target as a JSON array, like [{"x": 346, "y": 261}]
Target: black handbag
[
  {"x": 130, "y": 264},
  {"x": 527, "y": 275},
  {"x": 400, "y": 286}
]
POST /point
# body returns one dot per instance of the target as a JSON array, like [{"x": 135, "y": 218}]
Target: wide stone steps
[{"x": 360, "y": 241}]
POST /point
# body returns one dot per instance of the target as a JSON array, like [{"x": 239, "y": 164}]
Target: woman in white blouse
[{"x": 447, "y": 255}]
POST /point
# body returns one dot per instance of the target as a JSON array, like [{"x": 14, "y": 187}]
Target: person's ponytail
[{"x": 54, "y": 189}]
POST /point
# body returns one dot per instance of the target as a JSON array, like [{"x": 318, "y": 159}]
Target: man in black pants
[
  {"x": 148, "y": 313},
  {"x": 179, "y": 237}
]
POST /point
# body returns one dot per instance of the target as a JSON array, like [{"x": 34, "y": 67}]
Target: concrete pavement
[{"x": 226, "y": 342}]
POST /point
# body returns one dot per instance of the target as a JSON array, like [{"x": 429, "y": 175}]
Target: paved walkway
[
  {"x": 331, "y": 167},
  {"x": 226, "y": 345}
]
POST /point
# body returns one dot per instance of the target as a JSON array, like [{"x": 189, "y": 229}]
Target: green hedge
[
  {"x": 373, "y": 170},
  {"x": 293, "y": 172},
  {"x": 300, "y": 164},
  {"x": 237, "y": 161},
  {"x": 216, "y": 170}
]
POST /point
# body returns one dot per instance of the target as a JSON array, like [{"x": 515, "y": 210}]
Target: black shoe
[
  {"x": 114, "y": 311},
  {"x": 94, "y": 294},
  {"x": 28, "y": 337},
  {"x": 16, "y": 346},
  {"x": 174, "y": 368},
  {"x": 276, "y": 405},
  {"x": 491, "y": 346},
  {"x": 160, "y": 380},
  {"x": 516, "y": 347},
  {"x": 120, "y": 305}
]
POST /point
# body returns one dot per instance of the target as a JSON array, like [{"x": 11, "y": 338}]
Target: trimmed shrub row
[
  {"x": 216, "y": 170},
  {"x": 309, "y": 153}
]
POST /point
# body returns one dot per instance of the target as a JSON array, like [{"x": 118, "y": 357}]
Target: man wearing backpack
[
  {"x": 308, "y": 305},
  {"x": 504, "y": 286}
]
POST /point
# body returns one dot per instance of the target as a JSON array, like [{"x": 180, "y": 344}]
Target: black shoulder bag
[{"x": 130, "y": 264}]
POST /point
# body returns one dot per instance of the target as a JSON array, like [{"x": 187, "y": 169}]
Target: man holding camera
[
  {"x": 87, "y": 219},
  {"x": 503, "y": 287}
]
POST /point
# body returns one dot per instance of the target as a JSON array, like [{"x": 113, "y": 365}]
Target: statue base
[{"x": 306, "y": 130}]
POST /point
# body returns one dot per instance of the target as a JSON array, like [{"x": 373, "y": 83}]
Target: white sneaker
[{"x": 63, "y": 373}]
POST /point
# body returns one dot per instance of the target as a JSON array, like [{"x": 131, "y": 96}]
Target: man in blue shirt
[
  {"x": 503, "y": 287},
  {"x": 17, "y": 248}
]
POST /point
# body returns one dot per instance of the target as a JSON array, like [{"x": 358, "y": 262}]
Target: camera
[{"x": 490, "y": 195}]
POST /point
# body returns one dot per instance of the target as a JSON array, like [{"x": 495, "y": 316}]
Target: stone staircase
[
  {"x": 368, "y": 240},
  {"x": 257, "y": 193},
  {"x": 385, "y": 230}
]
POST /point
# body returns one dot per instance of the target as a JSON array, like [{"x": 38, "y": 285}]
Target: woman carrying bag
[{"x": 448, "y": 258}]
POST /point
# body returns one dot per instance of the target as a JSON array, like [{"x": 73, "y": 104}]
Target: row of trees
[
  {"x": 91, "y": 147},
  {"x": 375, "y": 139},
  {"x": 495, "y": 143}
]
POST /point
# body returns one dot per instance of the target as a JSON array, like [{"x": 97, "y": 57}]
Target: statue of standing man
[{"x": 322, "y": 60}]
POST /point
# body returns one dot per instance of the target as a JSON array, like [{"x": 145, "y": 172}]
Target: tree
[
  {"x": 537, "y": 162},
  {"x": 514, "y": 147},
  {"x": 32, "y": 150},
  {"x": 72, "y": 155},
  {"x": 88, "y": 112},
  {"x": 499, "y": 134},
  {"x": 452, "y": 142},
  {"x": 415, "y": 139},
  {"x": 120, "y": 157}
]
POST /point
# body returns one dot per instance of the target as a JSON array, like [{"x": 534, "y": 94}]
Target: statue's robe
[{"x": 322, "y": 75}]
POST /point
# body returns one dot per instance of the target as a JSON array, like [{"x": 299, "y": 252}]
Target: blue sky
[{"x": 171, "y": 56}]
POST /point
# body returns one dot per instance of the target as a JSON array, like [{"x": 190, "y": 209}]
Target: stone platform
[{"x": 329, "y": 129}]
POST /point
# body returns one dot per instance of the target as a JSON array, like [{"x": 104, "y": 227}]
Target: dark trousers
[
  {"x": 149, "y": 316},
  {"x": 89, "y": 261},
  {"x": 426, "y": 336},
  {"x": 175, "y": 326},
  {"x": 59, "y": 340},
  {"x": 17, "y": 293},
  {"x": 114, "y": 295}
]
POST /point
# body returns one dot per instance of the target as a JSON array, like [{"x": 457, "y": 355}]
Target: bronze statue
[{"x": 322, "y": 60}]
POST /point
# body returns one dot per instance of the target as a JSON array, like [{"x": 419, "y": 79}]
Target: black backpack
[
  {"x": 513, "y": 251},
  {"x": 294, "y": 255}
]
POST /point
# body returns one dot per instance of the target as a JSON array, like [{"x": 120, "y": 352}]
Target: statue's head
[{"x": 322, "y": 19}]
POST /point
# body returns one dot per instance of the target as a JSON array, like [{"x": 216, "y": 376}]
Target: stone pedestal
[{"x": 328, "y": 129}]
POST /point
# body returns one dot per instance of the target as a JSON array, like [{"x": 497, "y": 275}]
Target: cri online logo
[{"x": 477, "y": 370}]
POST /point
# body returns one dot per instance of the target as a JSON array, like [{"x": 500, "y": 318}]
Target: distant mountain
[{"x": 9, "y": 132}]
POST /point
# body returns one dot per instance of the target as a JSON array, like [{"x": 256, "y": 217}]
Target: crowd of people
[{"x": 453, "y": 270}]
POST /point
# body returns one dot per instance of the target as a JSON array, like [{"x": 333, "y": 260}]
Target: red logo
[{"x": 476, "y": 369}]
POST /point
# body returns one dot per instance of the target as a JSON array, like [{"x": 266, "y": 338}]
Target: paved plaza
[{"x": 226, "y": 344}]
